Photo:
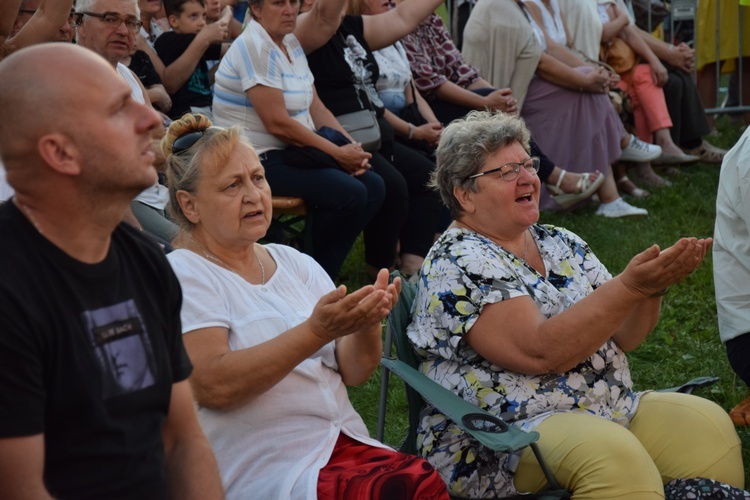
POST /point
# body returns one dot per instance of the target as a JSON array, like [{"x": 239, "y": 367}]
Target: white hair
[{"x": 89, "y": 5}]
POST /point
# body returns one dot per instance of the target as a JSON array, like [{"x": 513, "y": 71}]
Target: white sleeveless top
[{"x": 552, "y": 23}]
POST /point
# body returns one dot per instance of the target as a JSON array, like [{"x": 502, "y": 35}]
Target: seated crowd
[
  {"x": 231, "y": 105},
  {"x": 295, "y": 75}
]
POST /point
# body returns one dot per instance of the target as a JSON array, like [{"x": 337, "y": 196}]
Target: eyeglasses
[
  {"x": 510, "y": 171},
  {"x": 185, "y": 142},
  {"x": 112, "y": 21}
]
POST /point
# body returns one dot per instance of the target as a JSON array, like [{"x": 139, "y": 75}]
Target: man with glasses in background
[{"x": 108, "y": 27}]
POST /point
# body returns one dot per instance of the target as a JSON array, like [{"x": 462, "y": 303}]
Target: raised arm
[
  {"x": 43, "y": 25},
  {"x": 8, "y": 14},
  {"x": 515, "y": 335},
  {"x": 386, "y": 29},
  {"x": 192, "y": 473},
  {"x": 22, "y": 468},
  {"x": 316, "y": 26},
  {"x": 179, "y": 71}
]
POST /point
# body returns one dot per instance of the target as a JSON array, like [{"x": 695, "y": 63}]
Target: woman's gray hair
[
  {"x": 185, "y": 169},
  {"x": 465, "y": 145},
  {"x": 255, "y": 3}
]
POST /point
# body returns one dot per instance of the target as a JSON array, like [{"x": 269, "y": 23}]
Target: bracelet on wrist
[
  {"x": 661, "y": 293},
  {"x": 411, "y": 130}
]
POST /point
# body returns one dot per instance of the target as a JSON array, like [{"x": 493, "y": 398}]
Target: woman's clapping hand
[
  {"x": 653, "y": 270},
  {"x": 337, "y": 314}
]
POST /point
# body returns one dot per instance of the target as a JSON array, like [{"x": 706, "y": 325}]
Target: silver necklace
[
  {"x": 223, "y": 264},
  {"x": 525, "y": 244}
]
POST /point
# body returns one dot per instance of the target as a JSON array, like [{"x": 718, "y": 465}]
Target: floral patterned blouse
[
  {"x": 464, "y": 271},
  {"x": 434, "y": 58}
]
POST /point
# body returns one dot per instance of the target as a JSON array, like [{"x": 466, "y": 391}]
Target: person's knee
[
  {"x": 593, "y": 458},
  {"x": 689, "y": 436}
]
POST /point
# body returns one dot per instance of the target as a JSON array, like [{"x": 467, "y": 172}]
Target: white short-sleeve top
[
  {"x": 255, "y": 59},
  {"x": 274, "y": 446}
]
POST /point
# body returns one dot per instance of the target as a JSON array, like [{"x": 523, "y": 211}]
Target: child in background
[{"x": 185, "y": 50}]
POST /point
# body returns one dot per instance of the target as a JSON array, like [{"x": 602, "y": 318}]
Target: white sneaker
[
  {"x": 619, "y": 208},
  {"x": 639, "y": 151}
]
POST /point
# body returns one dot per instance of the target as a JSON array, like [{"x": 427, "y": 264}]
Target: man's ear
[
  {"x": 188, "y": 206},
  {"x": 59, "y": 153},
  {"x": 465, "y": 198}
]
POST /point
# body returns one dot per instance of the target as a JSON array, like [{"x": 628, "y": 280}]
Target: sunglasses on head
[{"x": 186, "y": 141}]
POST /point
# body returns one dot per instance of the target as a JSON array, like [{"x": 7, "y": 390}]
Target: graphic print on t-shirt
[
  {"x": 122, "y": 347},
  {"x": 356, "y": 57}
]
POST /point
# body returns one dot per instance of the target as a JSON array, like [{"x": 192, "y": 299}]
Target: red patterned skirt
[{"x": 358, "y": 471}]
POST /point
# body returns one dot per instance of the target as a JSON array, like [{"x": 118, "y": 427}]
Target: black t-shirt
[
  {"x": 141, "y": 65},
  {"x": 346, "y": 71},
  {"x": 197, "y": 90},
  {"x": 89, "y": 353}
]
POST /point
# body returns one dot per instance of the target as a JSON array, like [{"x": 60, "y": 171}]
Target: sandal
[
  {"x": 708, "y": 153},
  {"x": 628, "y": 187},
  {"x": 585, "y": 187}
]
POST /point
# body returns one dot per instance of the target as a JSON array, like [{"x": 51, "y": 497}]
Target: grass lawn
[{"x": 685, "y": 343}]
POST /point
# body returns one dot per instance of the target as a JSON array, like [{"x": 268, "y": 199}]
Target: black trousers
[
  {"x": 738, "y": 352},
  {"x": 689, "y": 123},
  {"x": 411, "y": 212}
]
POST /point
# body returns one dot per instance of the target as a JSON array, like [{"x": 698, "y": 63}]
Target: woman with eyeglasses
[
  {"x": 523, "y": 320},
  {"x": 272, "y": 340}
]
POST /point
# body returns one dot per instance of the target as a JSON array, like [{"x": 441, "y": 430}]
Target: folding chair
[{"x": 488, "y": 429}]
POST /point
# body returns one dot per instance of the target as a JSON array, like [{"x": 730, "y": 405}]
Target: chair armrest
[
  {"x": 505, "y": 439},
  {"x": 691, "y": 385}
]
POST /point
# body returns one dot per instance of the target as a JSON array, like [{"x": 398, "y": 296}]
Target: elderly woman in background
[
  {"x": 265, "y": 84},
  {"x": 273, "y": 342},
  {"x": 523, "y": 320}
]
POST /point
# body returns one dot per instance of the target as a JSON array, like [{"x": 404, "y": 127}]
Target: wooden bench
[{"x": 291, "y": 224}]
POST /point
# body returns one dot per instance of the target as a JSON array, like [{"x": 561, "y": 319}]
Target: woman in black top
[{"x": 345, "y": 74}]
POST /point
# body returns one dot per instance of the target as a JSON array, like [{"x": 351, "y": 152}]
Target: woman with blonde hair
[{"x": 273, "y": 341}]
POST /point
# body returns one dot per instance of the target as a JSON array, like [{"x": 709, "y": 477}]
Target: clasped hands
[
  {"x": 337, "y": 314},
  {"x": 653, "y": 270}
]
